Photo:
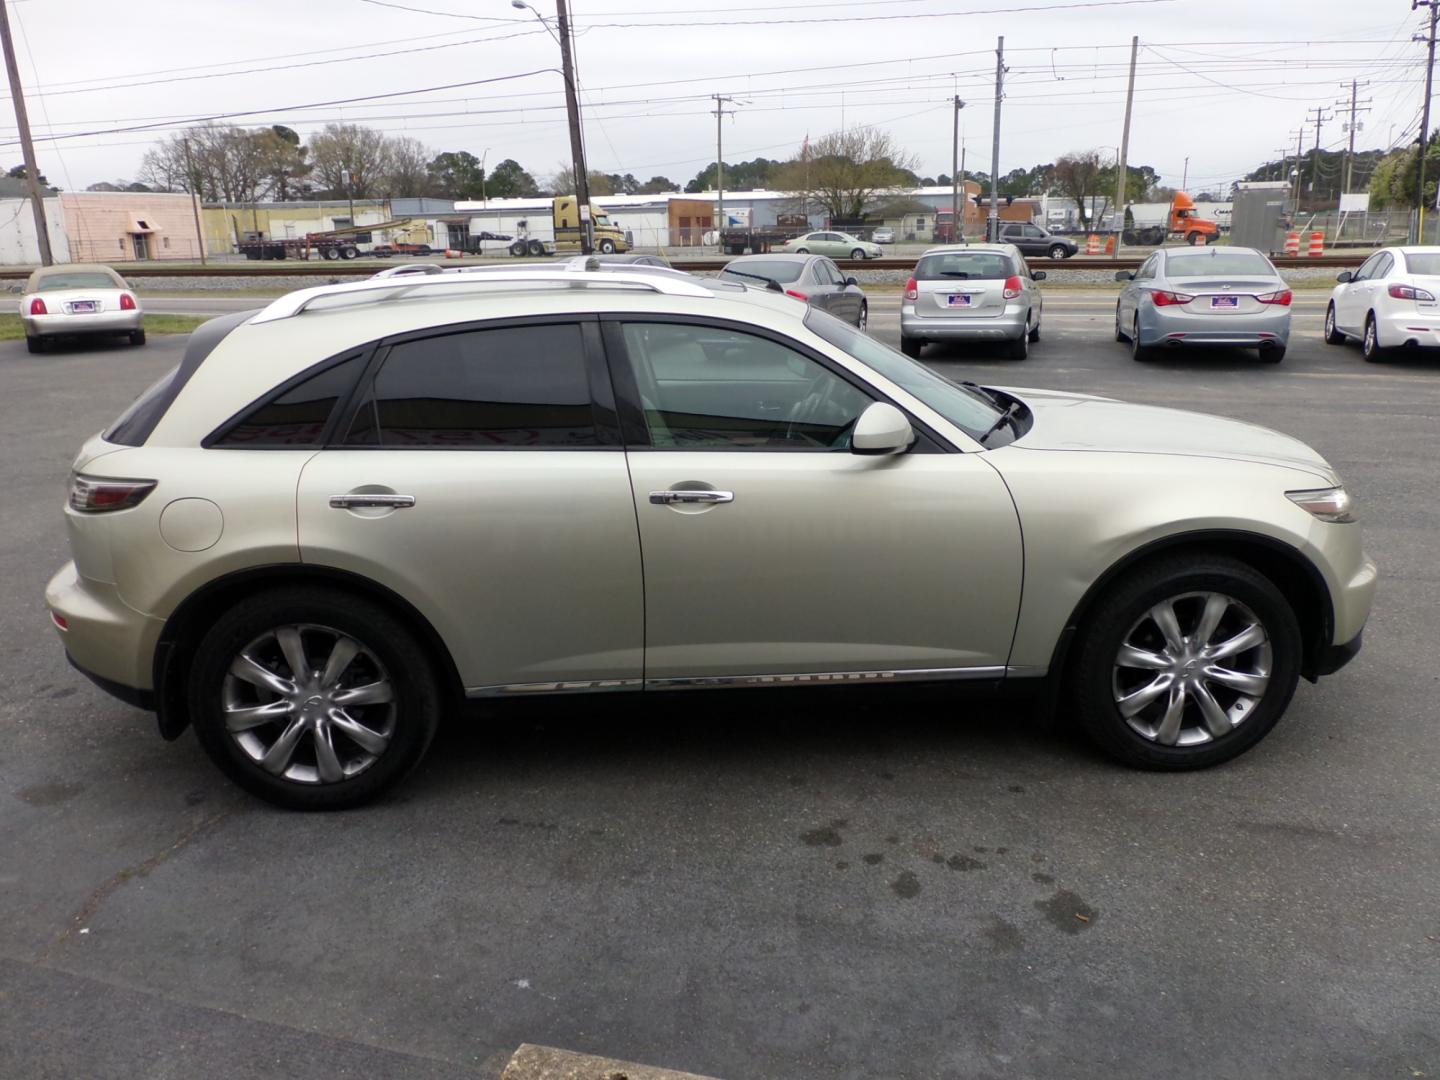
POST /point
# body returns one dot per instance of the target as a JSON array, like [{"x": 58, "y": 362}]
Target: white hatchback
[{"x": 1389, "y": 303}]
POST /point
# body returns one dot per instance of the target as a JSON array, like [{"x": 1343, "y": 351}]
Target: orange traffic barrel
[
  {"x": 1292, "y": 243},
  {"x": 1317, "y": 243}
]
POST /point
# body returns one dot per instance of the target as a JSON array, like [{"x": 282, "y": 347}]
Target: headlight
[{"x": 1328, "y": 504}]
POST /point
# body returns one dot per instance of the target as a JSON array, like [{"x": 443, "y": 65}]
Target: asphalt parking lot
[{"x": 813, "y": 886}]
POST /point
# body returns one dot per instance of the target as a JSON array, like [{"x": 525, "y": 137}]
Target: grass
[{"x": 11, "y": 328}]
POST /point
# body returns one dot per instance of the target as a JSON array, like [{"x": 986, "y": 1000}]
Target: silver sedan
[{"x": 1215, "y": 297}]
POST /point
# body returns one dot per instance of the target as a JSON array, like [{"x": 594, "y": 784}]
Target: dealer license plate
[
  {"x": 958, "y": 300},
  {"x": 78, "y": 307},
  {"x": 1224, "y": 301}
]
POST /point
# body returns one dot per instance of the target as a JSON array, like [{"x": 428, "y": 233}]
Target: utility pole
[
  {"x": 27, "y": 147},
  {"x": 1284, "y": 152},
  {"x": 720, "y": 112},
  {"x": 1429, "y": 40},
  {"x": 1125, "y": 150},
  {"x": 1299, "y": 161},
  {"x": 992, "y": 225},
  {"x": 955, "y": 177},
  {"x": 195, "y": 196},
  {"x": 577, "y": 143},
  {"x": 1353, "y": 126},
  {"x": 1185, "y": 175},
  {"x": 1318, "y": 119}
]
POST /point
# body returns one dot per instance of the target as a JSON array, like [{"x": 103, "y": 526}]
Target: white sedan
[
  {"x": 76, "y": 299},
  {"x": 1389, "y": 303}
]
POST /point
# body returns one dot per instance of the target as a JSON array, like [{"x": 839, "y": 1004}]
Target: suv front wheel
[{"x": 312, "y": 699}]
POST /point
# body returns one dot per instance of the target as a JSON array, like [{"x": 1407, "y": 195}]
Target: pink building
[{"x": 121, "y": 226}]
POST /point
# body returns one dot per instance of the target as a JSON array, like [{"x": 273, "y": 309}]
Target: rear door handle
[
  {"x": 378, "y": 502},
  {"x": 665, "y": 498}
]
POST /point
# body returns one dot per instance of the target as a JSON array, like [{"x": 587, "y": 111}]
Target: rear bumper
[
  {"x": 1166, "y": 326},
  {"x": 101, "y": 322},
  {"x": 104, "y": 637},
  {"x": 140, "y": 699},
  {"x": 1008, "y": 326},
  {"x": 1414, "y": 329}
]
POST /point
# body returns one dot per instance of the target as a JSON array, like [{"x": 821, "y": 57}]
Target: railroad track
[{"x": 287, "y": 268}]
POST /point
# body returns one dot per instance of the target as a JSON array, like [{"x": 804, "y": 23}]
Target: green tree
[
  {"x": 457, "y": 174},
  {"x": 741, "y": 176},
  {"x": 509, "y": 181},
  {"x": 1081, "y": 176},
  {"x": 657, "y": 185},
  {"x": 846, "y": 170}
]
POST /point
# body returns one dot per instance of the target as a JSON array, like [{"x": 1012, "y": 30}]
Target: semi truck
[
  {"x": 1183, "y": 223},
  {"x": 564, "y": 228}
]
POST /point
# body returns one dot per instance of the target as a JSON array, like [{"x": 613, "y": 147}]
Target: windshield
[
  {"x": 968, "y": 410},
  {"x": 1425, "y": 265},
  {"x": 964, "y": 265},
  {"x": 1218, "y": 263},
  {"x": 781, "y": 272},
  {"x": 78, "y": 280}
]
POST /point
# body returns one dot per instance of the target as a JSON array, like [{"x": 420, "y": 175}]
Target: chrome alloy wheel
[
  {"x": 309, "y": 704},
  {"x": 1191, "y": 669}
]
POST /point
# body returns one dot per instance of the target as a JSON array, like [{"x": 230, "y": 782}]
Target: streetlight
[
  {"x": 484, "y": 199},
  {"x": 572, "y": 109}
]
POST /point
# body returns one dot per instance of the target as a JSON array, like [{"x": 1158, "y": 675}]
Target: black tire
[
  {"x": 348, "y": 252},
  {"x": 35, "y": 344},
  {"x": 536, "y": 247},
  {"x": 1059, "y": 251},
  {"x": 412, "y": 715},
  {"x": 1035, "y": 333},
  {"x": 1370, "y": 344},
  {"x": 1119, "y": 333},
  {"x": 1333, "y": 335},
  {"x": 518, "y": 248},
  {"x": 607, "y": 247},
  {"x": 137, "y": 337},
  {"x": 1019, "y": 349},
  {"x": 1272, "y": 354},
  {"x": 1122, "y": 611},
  {"x": 1137, "y": 351},
  {"x": 911, "y": 347},
  {"x": 802, "y": 251},
  {"x": 864, "y": 320},
  {"x": 1193, "y": 238},
  {"x": 858, "y": 255}
]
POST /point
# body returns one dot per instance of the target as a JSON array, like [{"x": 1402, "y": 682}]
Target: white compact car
[
  {"x": 1389, "y": 303},
  {"x": 78, "y": 299},
  {"x": 338, "y": 517}
]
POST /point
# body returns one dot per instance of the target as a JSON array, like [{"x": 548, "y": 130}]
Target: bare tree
[
  {"x": 223, "y": 163},
  {"x": 845, "y": 170},
  {"x": 350, "y": 160},
  {"x": 407, "y": 174},
  {"x": 1081, "y": 176}
]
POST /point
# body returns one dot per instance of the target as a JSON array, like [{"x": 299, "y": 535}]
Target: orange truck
[{"x": 1183, "y": 223}]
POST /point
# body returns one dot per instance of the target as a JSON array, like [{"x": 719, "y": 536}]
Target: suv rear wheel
[
  {"x": 1059, "y": 251},
  {"x": 1186, "y": 663},
  {"x": 312, "y": 699}
]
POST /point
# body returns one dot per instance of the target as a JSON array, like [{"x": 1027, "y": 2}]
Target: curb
[{"x": 547, "y": 1063}]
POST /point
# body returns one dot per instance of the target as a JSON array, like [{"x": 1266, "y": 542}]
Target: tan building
[{"x": 123, "y": 226}]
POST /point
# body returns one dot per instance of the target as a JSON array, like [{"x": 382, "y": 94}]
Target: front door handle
[
  {"x": 666, "y": 498},
  {"x": 374, "y": 502}
]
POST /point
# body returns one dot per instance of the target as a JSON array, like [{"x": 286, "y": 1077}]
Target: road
[{"x": 804, "y": 887}]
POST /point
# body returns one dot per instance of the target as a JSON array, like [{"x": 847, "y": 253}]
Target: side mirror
[
  {"x": 881, "y": 429},
  {"x": 852, "y": 281},
  {"x": 1344, "y": 276},
  {"x": 1124, "y": 275},
  {"x": 1038, "y": 275}
]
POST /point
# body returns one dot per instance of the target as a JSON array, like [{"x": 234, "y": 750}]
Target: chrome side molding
[{"x": 728, "y": 682}]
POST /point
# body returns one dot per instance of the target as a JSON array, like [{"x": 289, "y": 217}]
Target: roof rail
[{"x": 294, "y": 303}]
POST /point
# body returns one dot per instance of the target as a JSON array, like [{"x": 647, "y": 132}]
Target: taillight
[
  {"x": 912, "y": 290},
  {"x": 1282, "y": 297},
  {"x": 127, "y": 302},
  {"x": 1169, "y": 299},
  {"x": 98, "y": 495},
  {"x": 797, "y": 294},
  {"x": 37, "y": 307},
  {"x": 1409, "y": 292},
  {"x": 1012, "y": 286}
]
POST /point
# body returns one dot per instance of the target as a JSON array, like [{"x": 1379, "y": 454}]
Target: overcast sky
[{"x": 1225, "y": 84}]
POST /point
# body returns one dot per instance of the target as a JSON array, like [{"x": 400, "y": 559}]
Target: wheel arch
[
  {"x": 197, "y": 611},
  {"x": 1288, "y": 569}
]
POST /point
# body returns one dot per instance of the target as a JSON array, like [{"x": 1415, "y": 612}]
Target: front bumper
[
  {"x": 1173, "y": 327},
  {"x": 1331, "y": 658},
  {"x": 1008, "y": 326},
  {"x": 104, "y": 637},
  {"x": 100, "y": 322}
]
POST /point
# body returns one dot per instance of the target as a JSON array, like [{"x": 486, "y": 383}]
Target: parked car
[
  {"x": 812, "y": 278},
  {"x": 971, "y": 292},
  {"x": 1033, "y": 240},
  {"x": 837, "y": 245},
  {"x": 78, "y": 299},
  {"x": 633, "y": 258},
  {"x": 338, "y": 517},
  {"x": 1230, "y": 297},
  {"x": 883, "y": 235},
  {"x": 1389, "y": 303}
]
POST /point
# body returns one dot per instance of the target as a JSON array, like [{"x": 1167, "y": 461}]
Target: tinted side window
[
  {"x": 705, "y": 387},
  {"x": 299, "y": 415},
  {"x": 1367, "y": 269},
  {"x": 522, "y": 386},
  {"x": 1385, "y": 265}
]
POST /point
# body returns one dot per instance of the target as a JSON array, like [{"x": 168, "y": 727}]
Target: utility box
[{"x": 1262, "y": 214}]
